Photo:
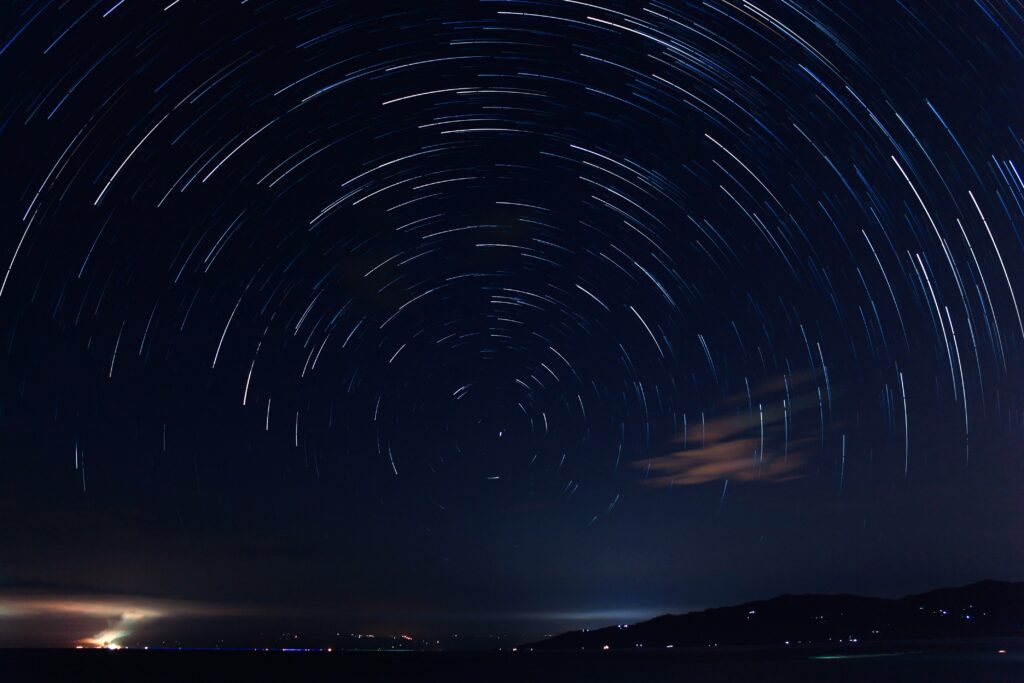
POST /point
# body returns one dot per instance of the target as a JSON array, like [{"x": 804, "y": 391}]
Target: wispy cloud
[
  {"x": 763, "y": 437},
  {"x": 113, "y": 617}
]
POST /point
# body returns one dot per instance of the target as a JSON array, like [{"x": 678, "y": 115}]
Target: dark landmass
[
  {"x": 987, "y": 609},
  {"x": 978, "y": 662}
]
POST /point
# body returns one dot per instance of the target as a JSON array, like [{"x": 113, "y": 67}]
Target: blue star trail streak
[{"x": 372, "y": 265}]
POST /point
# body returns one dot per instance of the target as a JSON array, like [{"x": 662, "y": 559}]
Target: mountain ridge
[{"x": 982, "y": 609}]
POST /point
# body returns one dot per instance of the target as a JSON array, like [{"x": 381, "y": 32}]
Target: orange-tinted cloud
[
  {"x": 110, "y": 618},
  {"x": 758, "y": 441}
]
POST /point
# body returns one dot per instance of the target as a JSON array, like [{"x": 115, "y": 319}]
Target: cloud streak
[
  {"x": 75, "y": 619},
  {"x": 765, "y": 438}
]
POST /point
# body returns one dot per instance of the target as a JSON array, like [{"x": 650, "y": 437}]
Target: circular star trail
[{"x": 414, "y": 263}]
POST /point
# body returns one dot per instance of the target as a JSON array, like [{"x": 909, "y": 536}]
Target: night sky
[{"x": 499, "y": 316}]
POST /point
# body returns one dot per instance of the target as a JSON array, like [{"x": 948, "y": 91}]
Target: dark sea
[{"x": 980, "y": 663}]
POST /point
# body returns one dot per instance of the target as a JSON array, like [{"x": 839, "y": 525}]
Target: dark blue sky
[{"x": 504, "y": 315}]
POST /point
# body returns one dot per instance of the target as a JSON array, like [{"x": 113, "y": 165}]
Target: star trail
[{"x": 442, "y": 310}]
